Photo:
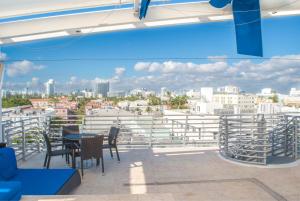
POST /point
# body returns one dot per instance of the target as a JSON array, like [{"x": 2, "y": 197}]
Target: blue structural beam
[
  {"x": 247, "y": 21},
  {"x": 144, "y": 8}
]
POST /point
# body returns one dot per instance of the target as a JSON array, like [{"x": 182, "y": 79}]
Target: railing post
[
  {"x": 185, "y": 130},
  {"x": 226, "y": 137},
  {"x": 151, "y": 130},
  {"x": 172, "y": 132},
  {"x": 262, "y": 136},
  {"x": 286, "y": 136},
  {"x": 23, "y": 141},
  {"x": 38, "y": 134},
  {"x": 295, "y": 138}
]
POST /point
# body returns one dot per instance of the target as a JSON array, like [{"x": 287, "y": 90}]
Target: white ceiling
[
  {"x": 12, "y": 8},
  {"x": 119, "y": 19}
]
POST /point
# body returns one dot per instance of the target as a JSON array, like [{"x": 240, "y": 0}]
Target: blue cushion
[
  {"x": 43, "y": 181},
  {"x": 10, "y": 191},
  {"x": 8, "y": 163}
]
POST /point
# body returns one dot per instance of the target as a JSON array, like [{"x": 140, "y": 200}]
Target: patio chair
[
  {"x": 51, "y": 152},
  {"x": 112, "y": 141},
  {"x": 70, "y": 144},
  {"x": 66, "y": 130},
  {"x": 91, "y": 148}
]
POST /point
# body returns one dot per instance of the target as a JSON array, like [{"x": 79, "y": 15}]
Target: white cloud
[
  {"x": 22, "y": 68},
  {"x": 179, "y": 67},
  {"x": 120, "y": 71},
  {"x": 140, "y": 66},
  {"x": 280, "y": 73}
]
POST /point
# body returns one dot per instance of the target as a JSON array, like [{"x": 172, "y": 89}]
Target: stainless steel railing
[
  {"x": 246, "y": 138},
  {"x": 260, "y": 139},
  {"x": 24, "y": 133}
]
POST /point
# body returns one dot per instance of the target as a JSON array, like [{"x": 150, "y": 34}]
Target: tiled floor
[{"x": 180, "y": 174}]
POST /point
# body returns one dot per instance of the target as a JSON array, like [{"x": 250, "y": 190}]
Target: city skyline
[{"x": 170, "y": 59}]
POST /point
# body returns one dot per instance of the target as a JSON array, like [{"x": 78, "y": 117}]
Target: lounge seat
[
  {"x": 36, "y": 181},
  {"x": 10, "y": 191}
]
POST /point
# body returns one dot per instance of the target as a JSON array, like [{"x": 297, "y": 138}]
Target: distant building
[
  {"x": 163, "y": 92},
  {"x": 101, "y": 88},
  {"x": 193, "y": 94},
  {"x": 294, "y": 92},
  {"x": 62, "y": 112},
  {"x": 269, "y": 108},
  {"x": 207, "y": 94},
  {"x": 116, "y": 94},
  {"x": 230, "y": 89},
  {"x": 50, "y": 87},
  {"x": 40, "y": 103}
]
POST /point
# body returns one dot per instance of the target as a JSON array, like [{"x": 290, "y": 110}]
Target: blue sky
[{"x": 215, "y": 41}]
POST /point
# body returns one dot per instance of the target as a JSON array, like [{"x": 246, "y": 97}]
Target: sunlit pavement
[{"x": 177, "y": 174}]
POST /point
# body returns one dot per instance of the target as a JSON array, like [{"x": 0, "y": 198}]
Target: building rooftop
[{"x": 182, "y": 173}]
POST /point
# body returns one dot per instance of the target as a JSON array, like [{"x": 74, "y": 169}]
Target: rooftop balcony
[{"x": 177, "y": 157}]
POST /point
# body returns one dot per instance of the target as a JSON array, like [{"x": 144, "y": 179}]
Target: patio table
[{"x": 76, "y": 138}]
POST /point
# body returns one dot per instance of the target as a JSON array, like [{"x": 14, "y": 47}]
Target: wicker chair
[
  {"x": 91, "y": 148},
  {"x": 112, "y": 141},
  {"x": 51, "y": 152},
  {"x": 69, "y": 144}
]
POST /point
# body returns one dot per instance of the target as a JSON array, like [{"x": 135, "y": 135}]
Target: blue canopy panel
[
  {"x": 247, "y": 21},
  {"x": 219, "y": 3},
  {"x": 144, "y": 8}
]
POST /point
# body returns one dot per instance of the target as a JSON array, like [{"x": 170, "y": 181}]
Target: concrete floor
[{"x": 179, "y": 174}]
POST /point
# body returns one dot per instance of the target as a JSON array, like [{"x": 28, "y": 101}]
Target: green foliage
[
  {"x": 81, "y": 106},
  {"x": 153, "y": 100},
  {"x": 179, "y": 102},
  {"x": 15, "y": 101},
  {"x": 148, "y": 109},
  {"x": 116, "y": 100},
  {"x": 275, "y": 99}
]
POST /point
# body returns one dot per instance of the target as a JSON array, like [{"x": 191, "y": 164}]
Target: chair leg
[
  {"x": 46, "y": 159},
  {"x": 49, "y": 159},
  {"x": 102, "y": 164},
  {"x": 111, "y": 153},
  {"x": 117, "y": 154}
]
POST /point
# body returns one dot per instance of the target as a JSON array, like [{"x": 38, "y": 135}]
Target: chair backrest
[
  {"x": 91, "y": 147},
  {"x": 74, "y": 129},
  {"x": 48, "y": 143},
  {"x": 113, "y": 135}
]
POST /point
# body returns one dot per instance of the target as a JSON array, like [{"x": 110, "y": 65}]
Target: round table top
[{"x": 79, "y": 136}]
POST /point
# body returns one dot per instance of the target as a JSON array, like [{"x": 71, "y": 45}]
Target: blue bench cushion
[
  {"x": 10, "y": 191},
  {"x": 8, "y": 163},
  {"x": 43, "y": 181}
]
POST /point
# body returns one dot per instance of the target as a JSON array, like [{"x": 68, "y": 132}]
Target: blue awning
[{"x": 247, "y": 21}]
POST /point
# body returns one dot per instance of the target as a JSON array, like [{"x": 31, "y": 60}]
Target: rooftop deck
[{"x": 179, "y": 174}]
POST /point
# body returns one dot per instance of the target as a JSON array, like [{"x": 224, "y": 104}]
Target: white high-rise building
[
  {"x": 101, "y": 88},
  {"x": 50, "y": 87},
  {"x": 163, "y": 91},
  {"x": 207, "y": 94}
]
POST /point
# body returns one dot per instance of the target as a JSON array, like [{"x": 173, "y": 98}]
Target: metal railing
[
  {"x": 254, "y": 139},
  {"x": 24, "y": 133},
  {"x": 260, "y": 139}
]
